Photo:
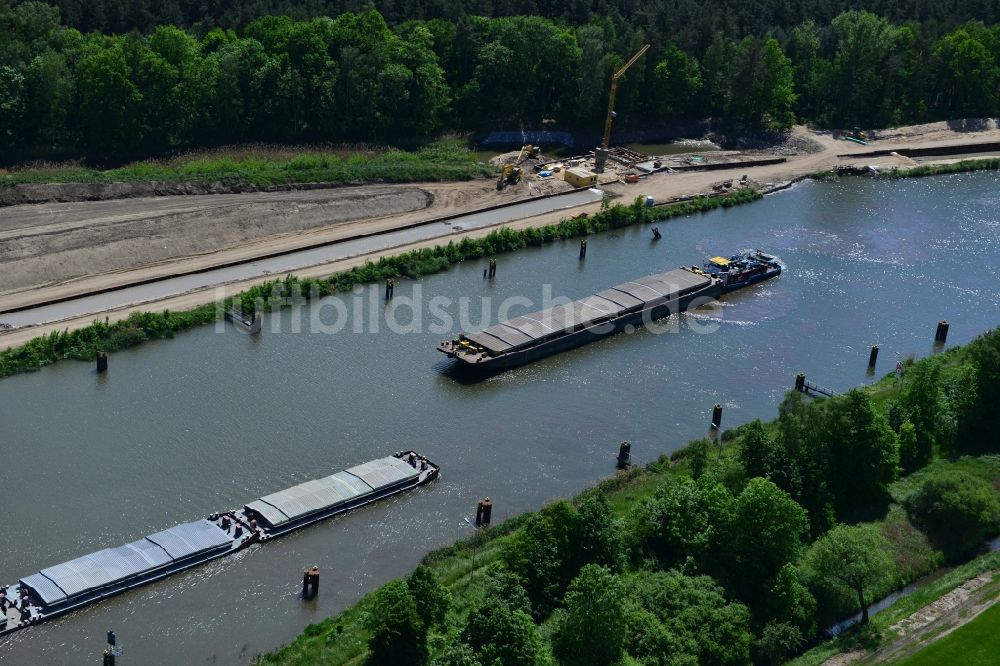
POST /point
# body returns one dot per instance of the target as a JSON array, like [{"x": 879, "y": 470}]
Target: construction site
[{"x": 607, "y": 164}]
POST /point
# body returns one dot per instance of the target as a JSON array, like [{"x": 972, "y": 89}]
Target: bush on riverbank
[
  {"x": 985, "y": 164},
  {"x": 85, "y": 343},
  {"x": 716, "y": 565}
]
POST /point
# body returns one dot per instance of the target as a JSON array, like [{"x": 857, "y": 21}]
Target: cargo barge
[
  {"x": 539, "y": 334},
  {"x": 63, "y": 588}
]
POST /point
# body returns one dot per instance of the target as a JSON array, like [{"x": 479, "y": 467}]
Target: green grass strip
[
  {"x": 262, "y": 166},
  {"x": 985, "y": 164},
  {"x": 974, "y": 644}
]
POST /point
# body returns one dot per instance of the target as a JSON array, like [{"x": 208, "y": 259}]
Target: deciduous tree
[{"x": 853, "y": 557}]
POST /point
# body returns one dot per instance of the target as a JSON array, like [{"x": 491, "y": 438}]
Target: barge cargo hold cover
[
  {"x": 84, "y": 580},
  {"x": 314, "y": 500},
  {"x": 538, "y": 334}
]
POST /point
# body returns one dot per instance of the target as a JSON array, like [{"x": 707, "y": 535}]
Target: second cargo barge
[
  {"x": 539, "y": 334},
  {"x": 62, "y": 588}
]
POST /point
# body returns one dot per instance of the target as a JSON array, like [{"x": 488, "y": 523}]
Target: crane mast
[{"x": 602, "y": 152}]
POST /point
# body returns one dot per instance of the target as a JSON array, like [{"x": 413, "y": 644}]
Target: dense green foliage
[
  {"x": 399, "y": 636},
  {"x": 959, "y": 511},
  {"x": 656, "y": 567},
  {"x": 687, "y": 22},
  {"x": 345, "y": 72},
  {"x": 853, "y": 557},
  {"x": 591, "y": 626},
  {"x": 84, "y": 343}
]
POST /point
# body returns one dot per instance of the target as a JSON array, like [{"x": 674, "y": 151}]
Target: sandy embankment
[{"x": 61, "y": 249}]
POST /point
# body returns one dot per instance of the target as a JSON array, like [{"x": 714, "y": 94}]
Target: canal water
[{"x": 212, "y": 419}]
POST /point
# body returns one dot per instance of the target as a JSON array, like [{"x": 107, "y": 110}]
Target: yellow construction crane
[{"x": 602, "y": 154}]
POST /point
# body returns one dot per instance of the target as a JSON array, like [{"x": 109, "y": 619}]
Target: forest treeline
[
  {"x": 358, "y": 77},
  {"x": 725, "y": 555},
  {"x": 691, "y": 24}
]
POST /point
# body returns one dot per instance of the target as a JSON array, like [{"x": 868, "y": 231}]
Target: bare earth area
[
  {"x": 61, "y": 250},
  {"x": 55, "y": 250}
]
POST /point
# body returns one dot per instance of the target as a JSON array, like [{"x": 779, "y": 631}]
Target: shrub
[{"x": 957, "y": 510}]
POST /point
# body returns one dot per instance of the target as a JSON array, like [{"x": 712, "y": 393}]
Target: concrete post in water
[
  {"x": 872, "y": 357},
  {"x": 483, "y": 512},
  {"x": 624, "y": 453},
  {"x": 102, "y": 361},
  {"x": 800, "y": 382},
  {"x": 717, "y": 416},
  {"x": 941, "y": 335},
  {"x": 583, "y": 249}
]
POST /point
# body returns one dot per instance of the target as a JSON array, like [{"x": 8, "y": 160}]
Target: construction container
[{"x": 578, "y": 177}]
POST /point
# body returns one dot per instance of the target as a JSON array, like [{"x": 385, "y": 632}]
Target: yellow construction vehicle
[
  {"x": 509, "y": 175},
  {"x": 527, "y": 150}
]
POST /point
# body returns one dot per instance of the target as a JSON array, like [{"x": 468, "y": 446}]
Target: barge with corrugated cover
[
  {"x": 62, "y": 588},
  {"x": 624, "y": 307}
]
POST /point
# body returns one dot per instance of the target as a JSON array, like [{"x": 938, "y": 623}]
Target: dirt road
[{"x": 64, "y": 249}]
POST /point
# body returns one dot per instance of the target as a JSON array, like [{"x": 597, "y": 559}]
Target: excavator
[{"x": 511, "y": 174}]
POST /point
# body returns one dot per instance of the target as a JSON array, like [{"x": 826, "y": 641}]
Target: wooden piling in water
[
  {"x": 484, "y": 512},
  {"x": 102, "y": 361},
  {"x": 624, "y": 454},
  {"x": 941, "y": 335},
  {"x": 717, "y": 416},
  {"x": 310, "y": 582},
  {"x": 583, "y": 249},
  {"x": 873, "y": 357},
  {"x": 800, "y": 382}
]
